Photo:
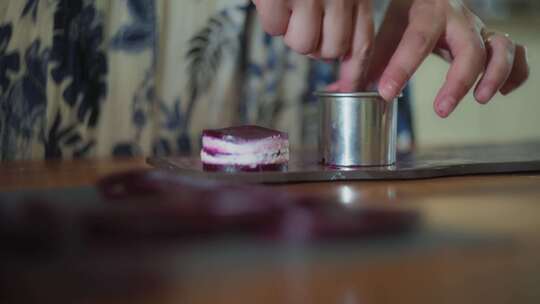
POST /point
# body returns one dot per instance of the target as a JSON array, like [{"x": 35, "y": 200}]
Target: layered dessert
[{"x": 245, "y": 148}]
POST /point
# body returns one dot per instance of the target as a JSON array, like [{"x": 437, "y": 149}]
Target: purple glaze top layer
[{"x": 244, "y": 133}]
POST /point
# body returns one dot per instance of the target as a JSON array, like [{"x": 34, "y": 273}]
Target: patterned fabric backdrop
[{"x": 99, "y": 78}]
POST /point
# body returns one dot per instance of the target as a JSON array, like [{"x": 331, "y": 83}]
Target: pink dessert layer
[{"x": 244, "y": 146}]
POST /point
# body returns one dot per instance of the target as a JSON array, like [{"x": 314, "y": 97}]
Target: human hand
[
  {"x": 325, "y": 29},
  {"x": 415, "y": 28},
  {"x": 412, "y": 30}
]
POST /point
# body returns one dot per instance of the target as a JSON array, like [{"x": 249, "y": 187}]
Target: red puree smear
[{"x": 244, "y": 133}]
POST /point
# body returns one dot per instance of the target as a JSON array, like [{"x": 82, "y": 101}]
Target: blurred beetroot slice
[
  {"x": 155, "y": 204},
  {"x": 327, "y": 220}
]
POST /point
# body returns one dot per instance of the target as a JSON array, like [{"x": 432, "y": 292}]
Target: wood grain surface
[{"x": 485, "y": 249}]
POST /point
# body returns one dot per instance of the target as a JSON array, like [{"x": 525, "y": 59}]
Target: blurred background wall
[{"x": 512, "y": 118}]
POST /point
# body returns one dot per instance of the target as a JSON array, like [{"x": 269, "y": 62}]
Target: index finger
[
  {"x": 426, "y": 26},
  {"x": 354, "y": 65}
]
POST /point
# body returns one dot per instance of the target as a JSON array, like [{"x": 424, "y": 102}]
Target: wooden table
[{"x": 503, "y": 212}]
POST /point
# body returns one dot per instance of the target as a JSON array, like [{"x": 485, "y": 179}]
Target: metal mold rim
[
  {"x": 373, "y": 94},
  {"x": 370, "y": 94}
]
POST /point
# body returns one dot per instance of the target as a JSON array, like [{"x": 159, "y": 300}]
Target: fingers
[
  {"x": 387, "y": 41},
  {"x": 427, "y": 23},
  {"x": 337, "y": 29},
  {"x": 319, "y": 29},
  {"x": 355, "y": 64},
  {"x": 520, "y": 71},
  {"x": 500, "y": 52},
  {"x": 274, "y": 16},
  {"x": 469, "y": 62},
  {"x": 304, "y": 28}
]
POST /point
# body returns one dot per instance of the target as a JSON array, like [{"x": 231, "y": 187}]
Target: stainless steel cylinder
[{"x": 357, "y": 129}]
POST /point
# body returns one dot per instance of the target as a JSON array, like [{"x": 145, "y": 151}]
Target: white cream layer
[
  {"x": 267, "y": 145},
  {"x": 250, "y": 159}
]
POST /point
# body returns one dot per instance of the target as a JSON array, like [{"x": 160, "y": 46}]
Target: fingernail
[
  {"x": 388, "y": 91},
  {"x": 445, "y": 107},
  {"x": 484, "y": 95}
]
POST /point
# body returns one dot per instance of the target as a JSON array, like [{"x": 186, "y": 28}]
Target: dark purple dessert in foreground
[
  {"x": 158, "y": 205},
  {"x": 244, "y": 148}
]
